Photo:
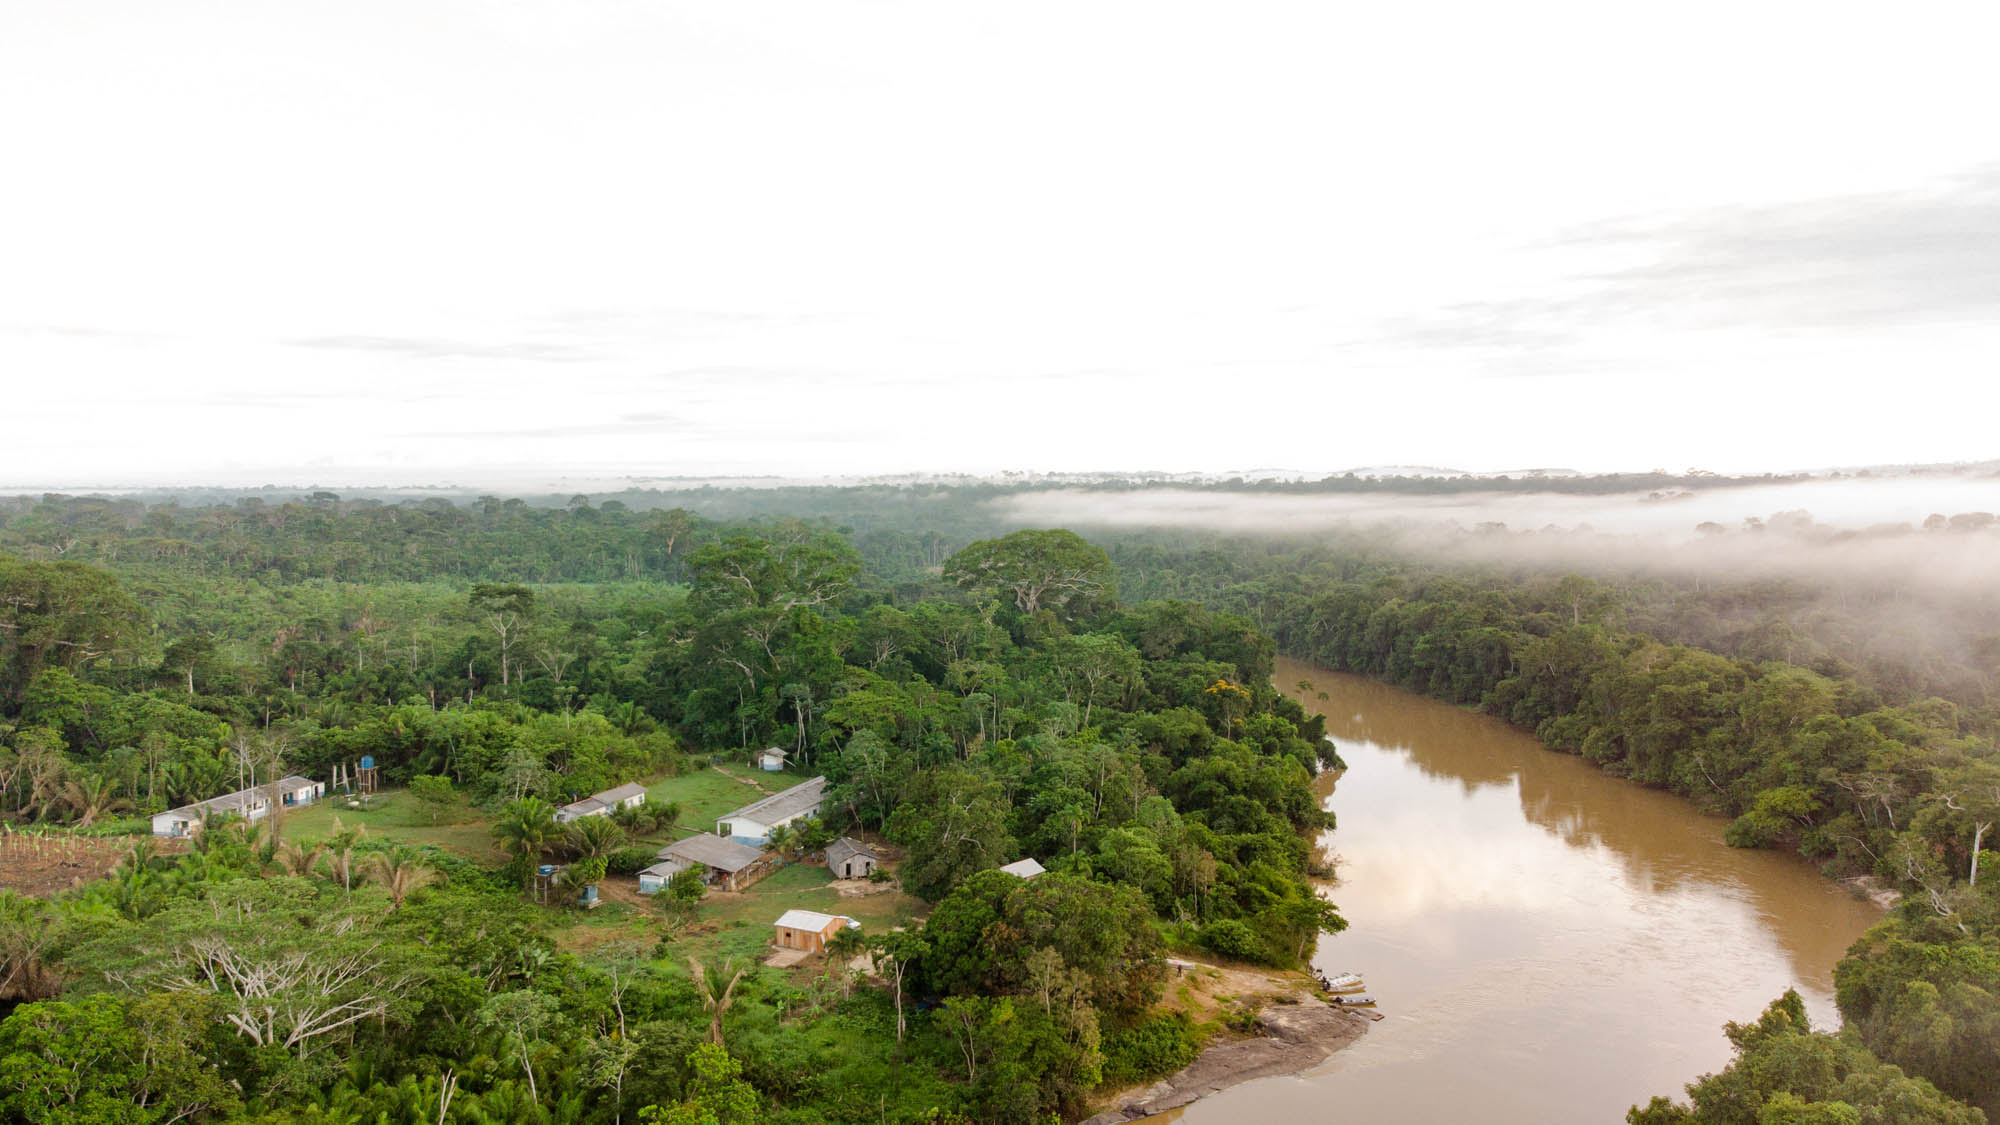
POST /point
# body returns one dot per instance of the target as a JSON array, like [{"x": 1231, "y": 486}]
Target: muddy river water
[{"x": 1548, "y": 944}]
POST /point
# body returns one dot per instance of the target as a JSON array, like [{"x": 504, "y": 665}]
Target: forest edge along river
[{"x": 1549, "y": 943}]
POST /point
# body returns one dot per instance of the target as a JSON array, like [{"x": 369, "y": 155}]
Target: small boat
[
  {"x": 1342, "y": 982},
  {"x": 1355, "y": 1001}
]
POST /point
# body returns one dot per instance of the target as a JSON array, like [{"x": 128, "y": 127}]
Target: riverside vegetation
[{"x": 960, "y": 713}]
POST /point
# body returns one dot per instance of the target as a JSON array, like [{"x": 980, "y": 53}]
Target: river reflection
[{"x": 1549, "y": 944}]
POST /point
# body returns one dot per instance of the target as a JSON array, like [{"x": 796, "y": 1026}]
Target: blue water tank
[{"x": 367, "y": 761}]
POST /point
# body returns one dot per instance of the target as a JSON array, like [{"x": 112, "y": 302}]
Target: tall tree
[
  {"x": 1055, "y": 570},
  {"x": 507, "y": 608}
]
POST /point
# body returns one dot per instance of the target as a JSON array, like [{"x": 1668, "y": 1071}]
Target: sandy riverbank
[{"x": 1296, "y": 1037}]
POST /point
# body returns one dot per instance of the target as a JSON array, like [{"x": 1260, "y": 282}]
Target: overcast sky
[{"x": 353, "y": 242}]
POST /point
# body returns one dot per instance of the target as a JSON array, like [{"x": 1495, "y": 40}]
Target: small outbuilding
[
  {"x": 810, "y": 930},
  {"x": 1025, "y": 868},
  {"x": 850, "y": 859},
  {"x": 654, "y": 879},
  {"x": 771, "y": 759}
]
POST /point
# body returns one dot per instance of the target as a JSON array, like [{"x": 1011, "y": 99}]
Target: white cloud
[{"x": 870, "y": 236}]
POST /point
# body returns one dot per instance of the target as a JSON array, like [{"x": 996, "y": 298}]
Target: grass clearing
[
  {"x": 392, "y": 814},
  {"x": 704, "y": 795}
]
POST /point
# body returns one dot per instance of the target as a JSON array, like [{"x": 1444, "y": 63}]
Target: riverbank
[{"x": 1298, "y": 1032}]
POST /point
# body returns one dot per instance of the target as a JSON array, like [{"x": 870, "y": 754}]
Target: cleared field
[
  {"x": 393, "y": 814},
  {"x": 43, "y": 863},
  {"x": 704, "y": 795}
]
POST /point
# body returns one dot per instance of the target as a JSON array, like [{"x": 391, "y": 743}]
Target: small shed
[
  {"x": 654, "y": 879},
  {"x": 771, "y": 759},
  {"x": 1025, "y": 868},
  {"x": 850, "y": 859},
  {"x": 809, "y": 929}
]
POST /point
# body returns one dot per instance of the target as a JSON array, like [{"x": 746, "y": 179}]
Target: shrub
[
  {"x": 1149, "y": 1048},
  {"x": 1231, "y": 938},
  {"x": 630, "y": 860}
]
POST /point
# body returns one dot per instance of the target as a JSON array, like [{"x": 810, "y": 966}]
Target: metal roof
[
  {"x": 242, "y": 799},
  {"x": 783, "y": 806},
  {"x": 712, "y": 851},
  {"x": 603, "y": 800},
  {"x": 1025, "y": 868},
  {"x": 844, "y": 849},
  {"x": 813, "y": 920}
]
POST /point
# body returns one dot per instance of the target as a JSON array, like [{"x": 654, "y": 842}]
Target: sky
[{"x": 396, "y": 243}]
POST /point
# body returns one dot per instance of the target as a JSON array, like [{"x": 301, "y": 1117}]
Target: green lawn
[
  {"x": 393, "y": 814},
  {"x": 704, "y": 795}
]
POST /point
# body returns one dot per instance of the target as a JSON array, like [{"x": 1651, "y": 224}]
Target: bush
[
  {"x": 1231, "y": 938},
  {"x": 1149, "y": 1048},
  {"x": 630, "y": 860}
]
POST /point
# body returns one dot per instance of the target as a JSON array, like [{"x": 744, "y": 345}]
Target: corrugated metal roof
[
  {"x": 844, "y": 849},
  {"x": 781, "y": 806},
  {"x": 712, "y": 851},
  {"x": 1025, "y": 868},
  {"x": 242, "y": 798},
  {"x": 813, "y": 920}
]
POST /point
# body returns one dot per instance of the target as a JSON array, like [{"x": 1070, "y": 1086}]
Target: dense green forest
[
  {"x": 973, "y": 695},
  {"x": 1003, "y": 703}
]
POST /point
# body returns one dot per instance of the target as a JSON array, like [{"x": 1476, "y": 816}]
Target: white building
[
  {"x": 1025, "y": 868},
  {"x": 253, "y": 803},
  {"x": 771, "y": 759},
  {"x": 629, "y": 795},
  {"x": 752, "y": 823}
]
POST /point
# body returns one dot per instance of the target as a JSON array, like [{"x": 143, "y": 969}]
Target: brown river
[{"x": 1548, "y": 944}]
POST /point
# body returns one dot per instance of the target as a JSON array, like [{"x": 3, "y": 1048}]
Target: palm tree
[
  {"x": 782, "y": 838},
  {"x": 526, "y": 828},
  {"x": 402, "y": 869},
  {"x": 89, "y": 797},
  {"x": 297, "y": 859},
  {"x": 139, "y": 857},
  {"x": 717, "y": 1002},
  {"x": 593, "y": 837},
  {"x": 340, "y": 854}
]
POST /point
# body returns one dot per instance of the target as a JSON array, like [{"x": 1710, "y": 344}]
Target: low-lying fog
[
  {"x": 1910, "y": 536},
  {"x": 1855, "y": 504},
  {"x": 1901, "y": 576}
]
